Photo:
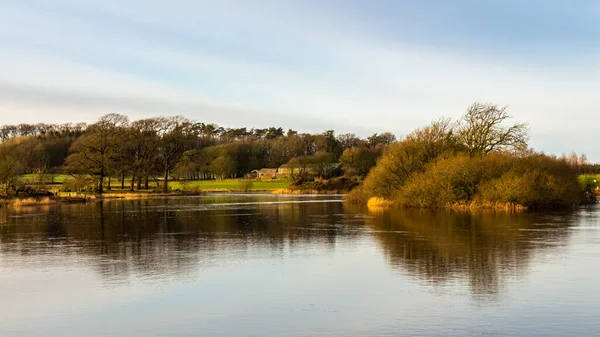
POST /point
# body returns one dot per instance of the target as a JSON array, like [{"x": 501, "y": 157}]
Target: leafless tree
[
  {"x": 481, "y": 130},
  {"x": 173, "y": 136},
  {"x": 94, "y": 152}
]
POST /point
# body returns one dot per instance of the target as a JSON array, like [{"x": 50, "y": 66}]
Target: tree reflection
[
  {"x": 170, "y": 238},
  {"x": 162, "y": 239},
  {"x": 484, "y": 248}
]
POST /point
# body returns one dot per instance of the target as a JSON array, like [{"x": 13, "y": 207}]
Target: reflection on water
[
  {"x": 355, "y": 262},
  {"x": 170, "y": 237},
  {"x": 483, "y": 248}
]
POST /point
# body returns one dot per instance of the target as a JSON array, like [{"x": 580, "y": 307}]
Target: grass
[
  {"x": 589, "y": 178},
  {"x": 31, "y": 202},
  {"x": 591, "y": 181},
  {"x": 231, "y": 185},
  {"x": 48, "y": 178},
  {"x": 226, "y": 184},
  {"x": 16, "y": 203}
]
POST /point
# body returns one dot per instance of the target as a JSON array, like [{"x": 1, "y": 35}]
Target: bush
[
  {"x": 78, "y": 183},
  {"x": 451, "y": 180},
  {"x": 356, "y": 196},
  {"x": 535, "y": 181},
  {"x": 496, "y": 180},
  {"x": 339, "y": 184},
  {"x": 400, "y": 161}
]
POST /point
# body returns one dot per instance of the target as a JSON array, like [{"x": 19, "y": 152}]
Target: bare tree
[
  {"x": 348, "y": 140},
  {"x": 298, "y": 167},
  {"x": 383, "y": 139},
  {"x": 173, "y": 137},
  {"x": 435, "y": 138},
  {"x": 94, "y": 152},
  {"x": 143, "y": 147},
  {"x": 481, "y": 130},
  {"x": 8, "y": 163}
]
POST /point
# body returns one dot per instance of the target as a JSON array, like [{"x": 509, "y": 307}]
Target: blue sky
[{"x": 353, "y": 66}]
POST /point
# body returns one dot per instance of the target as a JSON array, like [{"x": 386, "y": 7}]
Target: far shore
[
  {"x": 198, "y": 188},
  {"x": 74, "y": 198}
]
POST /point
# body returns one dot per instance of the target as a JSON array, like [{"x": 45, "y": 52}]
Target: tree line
[
  {"x": 115, "y": 151},
  {"x": 461, "y": 160}
]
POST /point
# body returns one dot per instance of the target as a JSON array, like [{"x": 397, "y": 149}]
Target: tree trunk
[
  {"x": 166, "y": 184},
  {"x": 100, "y": 189},
  {"x": 139, "y": 183},
  {"x": 146, "y": 186},
  {"x": 132, "y": 182},
  {"x": 108, "y": 187},
  {"x": 123, "y": 179}
]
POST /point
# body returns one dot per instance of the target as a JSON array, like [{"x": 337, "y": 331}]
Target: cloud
[{"x": 246, "y": 63}]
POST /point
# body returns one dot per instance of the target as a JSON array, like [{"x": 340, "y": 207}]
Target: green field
[
  {"x": 47, "y": 178},
  {"x": 231, "y": 185},
  {"x": 589, "y": 179},
  {"x": 227, "y": 184}
]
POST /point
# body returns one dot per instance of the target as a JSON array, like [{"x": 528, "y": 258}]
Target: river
[{"x": 277, "y": 265}]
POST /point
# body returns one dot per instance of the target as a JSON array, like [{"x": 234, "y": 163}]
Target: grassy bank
[
  {"x": 55, "y": 189},
  {"x": 44, "y": 201},
  {"x": 234, "y": 185},
  {"x": 230, "y": 185}
]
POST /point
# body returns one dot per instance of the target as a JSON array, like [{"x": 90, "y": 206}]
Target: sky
[{"x": 354, "y": 66}]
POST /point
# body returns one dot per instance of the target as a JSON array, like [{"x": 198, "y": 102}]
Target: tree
[
  {"x": 298, "y": 167},
  {"x": 143, "y": 149},
  {"x": 187, "y": 168},
  {"x": 273, "y": 133},
  {"x": 94, "y": 152},
  {"x": 327, "y": 142},
  {"x": 223, "y": 166},
  {"x": 435, "y": 138},
  {"x": 382, "y": 139},
  {"x": 481, "y": 130},
  {"x": 323, "y": 164},
  {"x": 348, "y": 140},
  {"x": 359, "y": 160},
  {"x": 8, "y": 163},
  {"x": 173, "y": 137}
]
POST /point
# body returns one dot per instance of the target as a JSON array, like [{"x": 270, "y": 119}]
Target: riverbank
[
  {"x": 178, "y": 189},
  {"x": 18, "y": 202},
  {"x": 276, "y": 186}
]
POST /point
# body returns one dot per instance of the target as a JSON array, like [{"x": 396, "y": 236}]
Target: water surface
[{"x": 268, "y": 265}]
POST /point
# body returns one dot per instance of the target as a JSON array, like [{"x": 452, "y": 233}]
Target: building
[
  {"x": 267, "y": 173},
  {"x": 252, "y": 175},
  {"x": 286, "y": 170}
]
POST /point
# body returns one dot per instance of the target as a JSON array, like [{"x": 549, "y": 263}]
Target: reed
[
  {"x": 27, "y": 202},
  {"x": 376, "y": 202}
]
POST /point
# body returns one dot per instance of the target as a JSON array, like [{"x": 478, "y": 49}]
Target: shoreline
[
  {"x": 375, "y": 203},
  {"x": 73, "y": 198}
]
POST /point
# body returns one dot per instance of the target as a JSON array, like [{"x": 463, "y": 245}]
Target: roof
[
  {"x": 331, "y": 165},
  {"x": 267, "y": 170}
]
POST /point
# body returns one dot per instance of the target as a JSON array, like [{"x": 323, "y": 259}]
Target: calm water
[{"x": 250, "y": 265}]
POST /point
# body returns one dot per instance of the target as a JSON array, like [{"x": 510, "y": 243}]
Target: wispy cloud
[{"x": 306, "y": 64}]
